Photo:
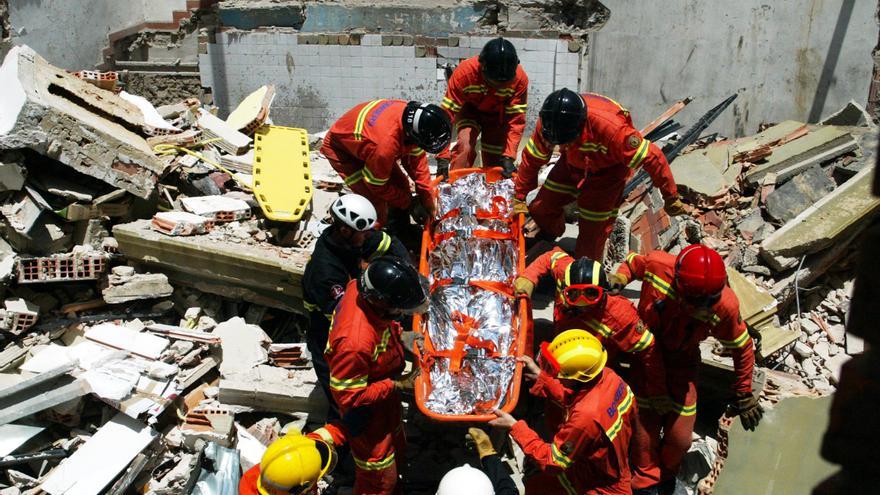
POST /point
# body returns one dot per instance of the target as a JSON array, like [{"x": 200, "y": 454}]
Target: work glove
[
  {"x": 520, "y": 206},
  {"x": 674, "y": 206},
  {"x": 406, "y": 383},
  {"x": 507, "y": 167},
  {"x": 482, "y": 442},
  {"x": 617, "y": 281},
  {"x": 442, "y": 167},
  {"x": 749, "y": 410},
  {"x": 418, "y": 211},
  {"x": 523, "y": 286}
]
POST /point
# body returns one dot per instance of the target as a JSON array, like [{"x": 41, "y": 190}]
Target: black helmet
[
  {"x": 428, "y": 125},
  {"x": 391, "y": 285},
  {"x": 562, "y": 116},
  {"x": 583, "y": 270},
  {"x": 498, "y": 60}
]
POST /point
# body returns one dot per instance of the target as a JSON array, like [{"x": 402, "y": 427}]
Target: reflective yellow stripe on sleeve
[
  {"x": 384, "y": 244},
  {"x": 630, "y": 257},
  {"x": 351, "y": 179},
  {"x": 559, "y": 458},
  {"x": 348, "y": 384},
  {"x": 369, "y": 178},
  {"x": 622, "y": 409},
  {"x": 661, "y": 285},
  {"x": 362, "y": 116},
  {"x": 599, "y": 327},
  {"x": 596, "y": 216},
  {"x": 505, "y": 92},
  {"x": 375, "y": 465},
  {"x": 640, "y": 155},
  {"x": 556, "y": 257},
  {"x": 533, "y": 149},
  {"x": 325, "y": 435},
  {"x": 738, "y": 342},
  {"x": 450, "y": 105},
  {"x": 383, "y": 345},
  {"x": 557, "y": 187},
  {"x": 643, "y": 343},
  {"x": 417, "y": 152},
  {"x": 513, "y": 109}
]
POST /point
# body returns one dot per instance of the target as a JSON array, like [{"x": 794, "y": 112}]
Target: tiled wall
[{"x": 318, "y": 77}]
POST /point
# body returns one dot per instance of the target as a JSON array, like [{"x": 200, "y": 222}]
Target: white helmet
[
  {"x": 465, "y": 480},
  {"x": 355, "y": 211}
]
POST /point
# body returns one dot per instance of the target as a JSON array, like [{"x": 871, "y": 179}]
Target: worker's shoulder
[
  {"x": 728, "y": 306},
  {"x": 323, "y": 259},
  {"x": 522, "y": 78},
  {"x": 659, "y": 261},
  {"x": 620, "y": 310}
]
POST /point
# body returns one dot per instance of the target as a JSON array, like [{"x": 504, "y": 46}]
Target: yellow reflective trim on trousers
[
  {"x": 560, "y": 188},
  {"x": 459, "y": 124},
  {"x": 375, "y": 465},
  {"x": 349, "y": 384},
  {"x": 324, "y": 434},
  {"x": 417, "y": 152},
  {"x": 640, "y": 155},
  {"x": 372, "y": 179},
  {"x": 556, "y": 257},
  {"x": 559, "y": 458},
  {"x": 533, "y": 150},
  {"x": 384, "y": 244},
  {"x": 362, "y": 116},
  {"x": 566, "y": 485},
  {"x": 660, "y": 284},
  {"x": 475, "y": 88},
  {"x": 681, "y": 409},
  {"x": 643, "y": 343},
  {"x": 622, "y": 409},
  {"x": 516, "y": 109},
  {"x": 383, "y": 345},
  {"x": 351, "y": 179},
  {"x": 448, "y": 104},
  {"x": 309, "y": 306},
  {"x": 601, "y": 328},
  {"x": 596, "y": 216},
  {"x": 736, "y": 343}
]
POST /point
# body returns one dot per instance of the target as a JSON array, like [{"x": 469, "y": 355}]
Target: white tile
[{"x": 371, "y": 40}]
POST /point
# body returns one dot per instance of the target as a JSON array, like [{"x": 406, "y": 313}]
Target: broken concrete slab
[
  {"x": 820, "y": 225},
  {"x": 12, "y": 173},
  {"x": 218, "y": 208},
  {"x": 44, "y": 396},
  {"x": 229, "y": 139},
  {"x": 132, "y": 287},
  {"x": 698, "y": 177},
  {"x": 253, "y": 111},
  {"x": 852, "y": 114},
  {"x": 103, "y": 457},
  {"x": 787, "y": 160},
  {"x": 267, "y": 388},
  {"x": 181, "y": 223},
  {"x": 767, "y": 137},
  {"x": 123, "y": 338},
  {"x": 244, "y": 346},
  {"x": 263, "y": 274},
  {"x": 60, "y": 116},
  {"x": 796, "y": 195}
]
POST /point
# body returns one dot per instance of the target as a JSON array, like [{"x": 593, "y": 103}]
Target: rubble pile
[{"x": 122, "y": 223}]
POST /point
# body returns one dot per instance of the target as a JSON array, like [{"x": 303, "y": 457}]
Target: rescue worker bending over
[
  {"x": 583, "y": 301},
  {"x": 684, "y": 299},
  {"x": 368, "y": 146},
  {"x": 487, "y": 97},
  {"x": 365, "y": 355},
  {"x": 294, "y": 463},
  {"x": 337, "y": 258},
  {"x": 589, "y": 451},
  {"x": 600, "y": 149},
  {"x": 493, "y": 479}
]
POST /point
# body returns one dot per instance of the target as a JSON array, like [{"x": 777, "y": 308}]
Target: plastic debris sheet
[{"x": 473, "y": 329}]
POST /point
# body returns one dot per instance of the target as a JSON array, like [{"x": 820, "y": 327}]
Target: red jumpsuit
[
  {"x": 589, "y": 451},
  {"x": 614, "y": 322},
  {"x": 364, "y": 353},
  {"x": 475, "y": 107},
  {"x": 679, "y": 328},
  {"x": 593, "y": 169},
  {"x": 365, "y": 145},
  {"x": 332, "y": 433}
]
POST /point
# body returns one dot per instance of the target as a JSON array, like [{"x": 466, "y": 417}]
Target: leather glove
[
  {"x": 520, "y": 206},
  {"x": 674, "y": 206},
  {"x": 418, "y": 211},
  {"x": 617, "y": 282},
  {"x": 482, "y": 442},
  {"x": 507, "y": 167},
  {"x": 523, "y": 286},
  {"x": 442, "y": 167},
  {"x": 749, "y": 410},
  {"x": 406, "y": 383}
]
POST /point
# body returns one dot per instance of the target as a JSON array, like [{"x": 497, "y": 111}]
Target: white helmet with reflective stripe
[
  {"x": 355, "y": 211},
  {"x": 465, "y": 480}
]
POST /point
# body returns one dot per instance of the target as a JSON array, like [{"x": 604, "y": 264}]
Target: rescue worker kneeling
[
  {"x": 365, "y": 355},
  {"x": 589, "y": 451},
  {"x": 294, "y": 463}
]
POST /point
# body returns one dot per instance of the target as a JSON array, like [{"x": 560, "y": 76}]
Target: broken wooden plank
[
  {"x": 103, "y": 457},
  {"x": 668, "y": 114}
]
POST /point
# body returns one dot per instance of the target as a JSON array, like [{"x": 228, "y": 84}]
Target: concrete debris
[
  {"x": 181, "y": 223},
  {"x": 253, "y": 111},
  {"x": 218, "y": 208},
  {"x": 267, "y": 388},
  {"x": 229, "y": 139},
  {"x": 18, "y": 316},
  {"x": 819, "y": 145},
  {"x": 126, "y": 286},
  {"x": 796, "y": 195}
]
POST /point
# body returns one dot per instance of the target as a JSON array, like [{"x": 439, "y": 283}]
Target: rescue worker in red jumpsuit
[
  {"x": 684, "y": 299},
  {"x": 583, "y": 301},
  {"x": 295, "y": 463},
  {"x": 600, "y": 149},
  {"x": 365, "y": 355},
  {"x": 589, "y": 451},
  {"x": 487, "y": 96},
  {"x": 368, "y": 146}
]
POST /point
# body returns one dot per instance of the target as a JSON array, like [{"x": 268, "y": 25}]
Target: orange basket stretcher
[{"x": 521, "y": 316}]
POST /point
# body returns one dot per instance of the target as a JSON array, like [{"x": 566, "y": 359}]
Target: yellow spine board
[{"x": 282, "y": 175}]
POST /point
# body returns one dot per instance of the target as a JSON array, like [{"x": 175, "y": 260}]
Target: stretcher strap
[
  {"x": 495, "y": 213},
  {"x": 492, "y": 286}
]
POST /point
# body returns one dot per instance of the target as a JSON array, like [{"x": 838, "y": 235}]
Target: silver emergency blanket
[{"x": 483, "y": 322}]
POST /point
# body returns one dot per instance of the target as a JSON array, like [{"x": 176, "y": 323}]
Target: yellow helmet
[
  {"x": 575, "y": 355},
  {"x": 294, "y": 461}
]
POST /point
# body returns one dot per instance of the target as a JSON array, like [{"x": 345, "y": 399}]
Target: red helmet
[{"x": 699, "y": 272}]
